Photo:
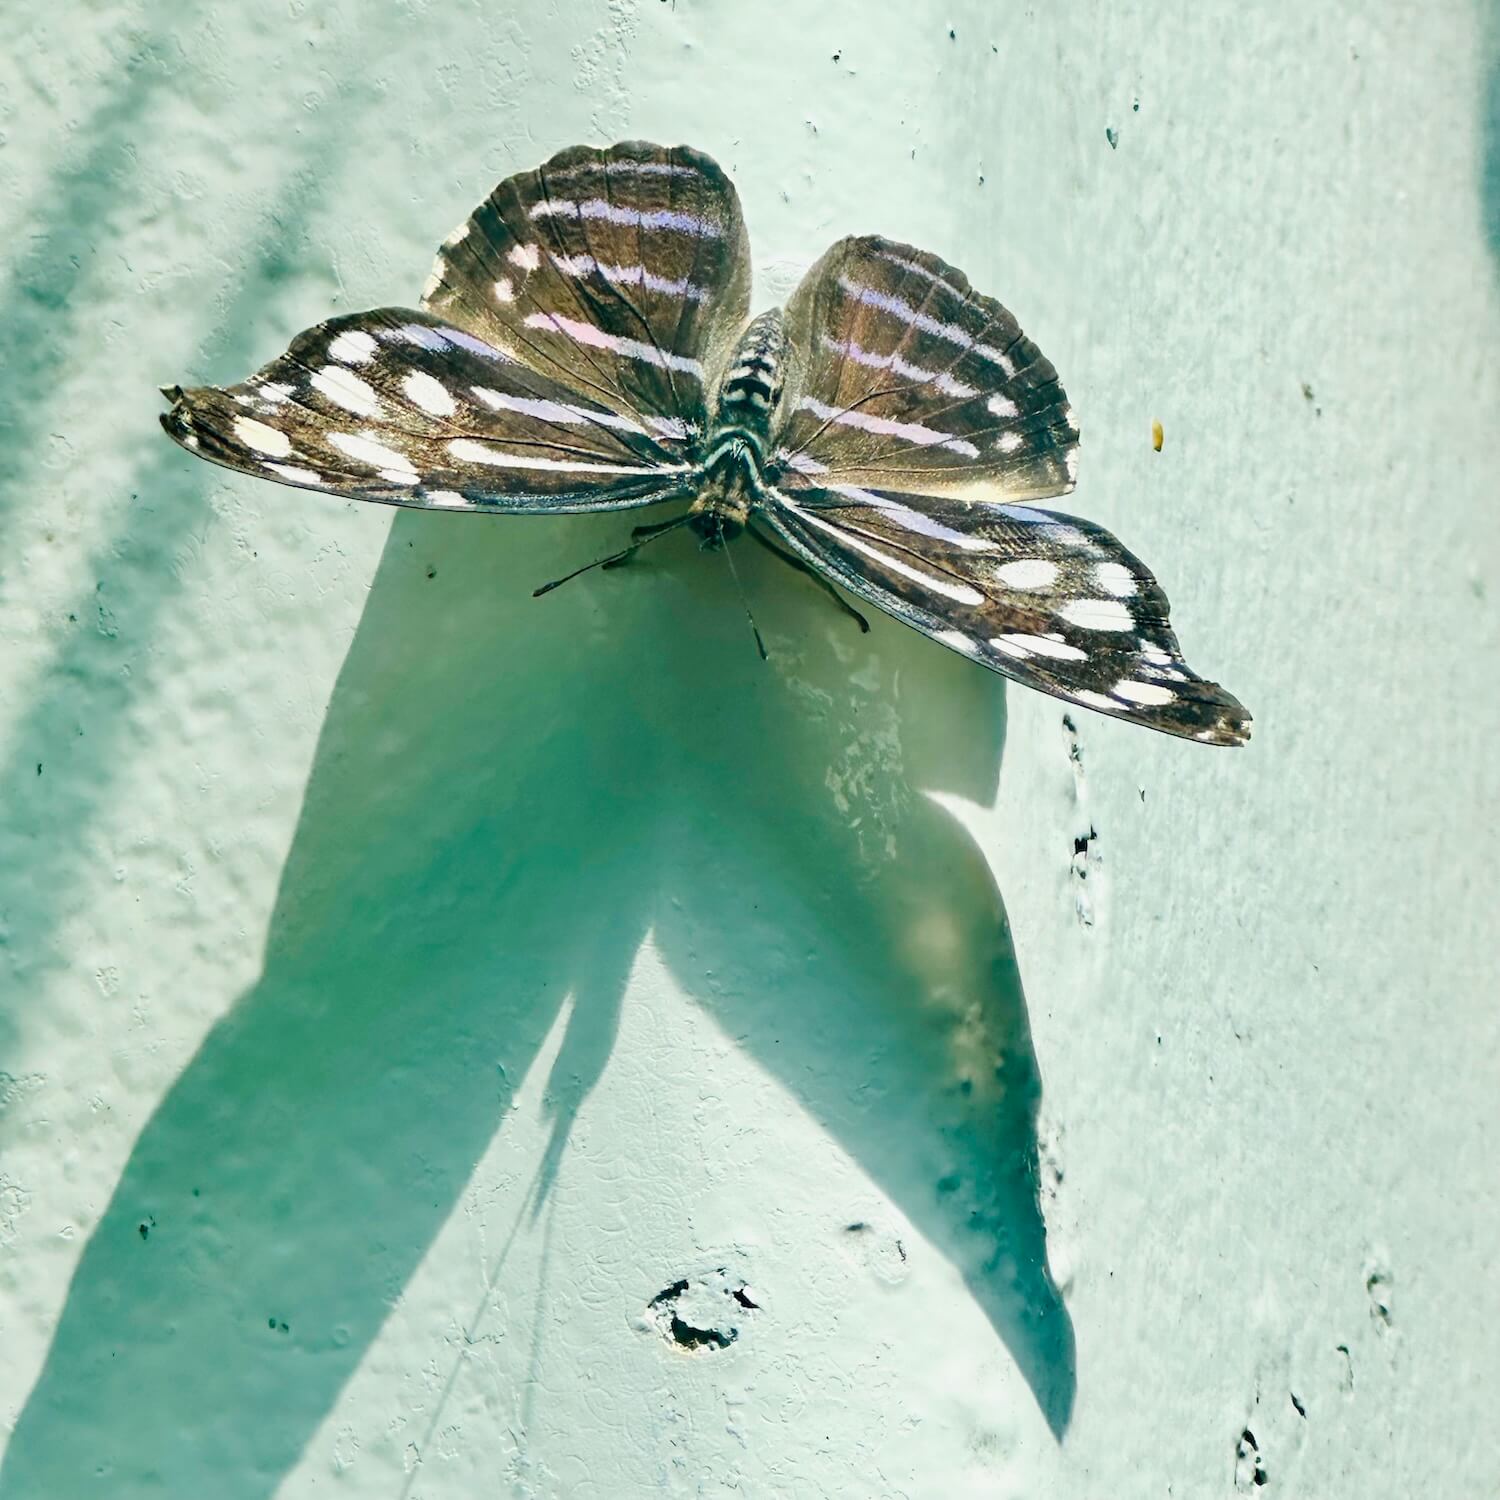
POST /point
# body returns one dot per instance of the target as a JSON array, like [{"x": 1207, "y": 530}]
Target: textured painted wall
[{"x": 425, "y": 1012}]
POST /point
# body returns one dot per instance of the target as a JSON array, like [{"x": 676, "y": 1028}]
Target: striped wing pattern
[
  {"x": 908, "y": 379},
  {"x": 568, "y": 355},
  {"x": 919, "y": 426},
  {"x": 621, "y": 273},
  {"x": 399, "y": 407},
  {"x": 558, "y": 362},
  {"x": 1050, "y": 600}
]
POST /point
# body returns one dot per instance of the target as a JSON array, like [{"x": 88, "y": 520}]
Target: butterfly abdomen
[
  {"x": 745, "y": 412},
  {"x": 750, "y": 387}
]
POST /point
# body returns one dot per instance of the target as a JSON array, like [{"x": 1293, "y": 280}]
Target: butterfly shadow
[{"x": 508, "y": 797}]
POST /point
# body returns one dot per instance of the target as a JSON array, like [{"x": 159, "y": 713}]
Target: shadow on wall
[
  {"x": 1489, "y": 128},
  {"x": 507, "y": 797},
  {"x": 81, "y": 722}
]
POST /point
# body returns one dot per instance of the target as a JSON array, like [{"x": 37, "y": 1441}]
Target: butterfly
[{"x": 584, "y": 344}]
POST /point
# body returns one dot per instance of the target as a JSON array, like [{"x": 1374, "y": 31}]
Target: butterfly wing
[
  {"x": 557, "y": 364},
  {"x": 1052, "y": 601},
  {"x": 622, "y": 273},
  {"x": 905, "y": 378},
  {"x": 403, "y": 408}
]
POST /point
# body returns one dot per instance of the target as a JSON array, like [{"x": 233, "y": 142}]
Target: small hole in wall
[{"x": 702, "y": 1313}]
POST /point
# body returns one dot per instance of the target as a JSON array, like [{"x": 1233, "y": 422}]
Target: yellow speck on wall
[{"x": 1156, "y": 436}]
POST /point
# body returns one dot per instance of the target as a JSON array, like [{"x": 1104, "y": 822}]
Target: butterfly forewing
[
  {"x": 402, "y": 407},
  {"x": 1050, "y": 600},
  {"x": 621, "y": 273},
  {"x": 907, "y": 379}
]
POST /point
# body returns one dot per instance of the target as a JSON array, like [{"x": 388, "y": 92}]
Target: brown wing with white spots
[
  {"x": 1052, "y": 601},
  {"x": 622, "y": 273},
  {"x": 905, "y": 378},
  {"x": 403, "y": 408}
]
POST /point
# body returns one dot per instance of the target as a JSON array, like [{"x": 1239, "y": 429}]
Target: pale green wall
[{"x": 441, "y": 974}]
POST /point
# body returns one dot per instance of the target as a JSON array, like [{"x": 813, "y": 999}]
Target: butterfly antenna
[
  {"x": 614, "y": 558},
  {"x": 760, "y": 645}
]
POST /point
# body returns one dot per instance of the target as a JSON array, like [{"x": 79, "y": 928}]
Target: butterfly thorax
[{"x": 739, "y": 431}]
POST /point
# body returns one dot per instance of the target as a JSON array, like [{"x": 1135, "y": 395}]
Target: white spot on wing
[
  {"x": 364, "y": 449},
  {"x": 1002, "y": 406},
  {"x": 1148, "y": 693},
  {"x": 527, "y": 257},
  {"x": 629, "y": 275},
  {"x": 596, "y": 338},
  {"x": 1028, "y": 573},
  {"x": 1097, "y": 614},
  {"x": 911, "y": 432},
  {"x": 346, "y": 389},
  {"x": 916, "y": 269},
  {"x": 801, "y": 462},
  {"x": 1092, "y": 699},
  {"x": 898, "y": 366},
  {"x": 444, "y": 498},
  {"x": 456, "y": 236},
  {"x": 468, "y": 451},
  {"x": 294, "y": 473},
  {"x": 440, "y": 338},
  {"x": 1115, "y": 578},
  {"x": 620, "y": 213},
  {"x": 950, "y": 332},
  {"x": 353, "y": 346},
  {"x": 1041, "y": 645},
  {"x": 261, "y": 438},
  {"x": 554, "y": 411},
  {"x": 505, "y": 290},
  {"x": 429, "y": 393},
  {"x": 913, "y": 520}
]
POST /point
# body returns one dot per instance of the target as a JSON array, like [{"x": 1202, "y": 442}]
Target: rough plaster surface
[{"x": 429, "y": 1018}]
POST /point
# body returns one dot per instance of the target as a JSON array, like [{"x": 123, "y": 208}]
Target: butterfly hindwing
[
  {"x": 908, "y": 379},
  {"x": 401, "y": 407},
  {"x": 622, "y": 273},
  {"x": 1052, "y": 601}
]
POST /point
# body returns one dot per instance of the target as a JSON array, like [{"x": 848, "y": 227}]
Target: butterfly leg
[
  {"x": 796, "y": 562},
  {"x": 616, "y": 559},
  {"x": 639, "y": 535}
]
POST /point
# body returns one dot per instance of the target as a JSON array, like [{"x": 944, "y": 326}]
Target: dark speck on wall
[{"x": 1112, "y": 136}]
